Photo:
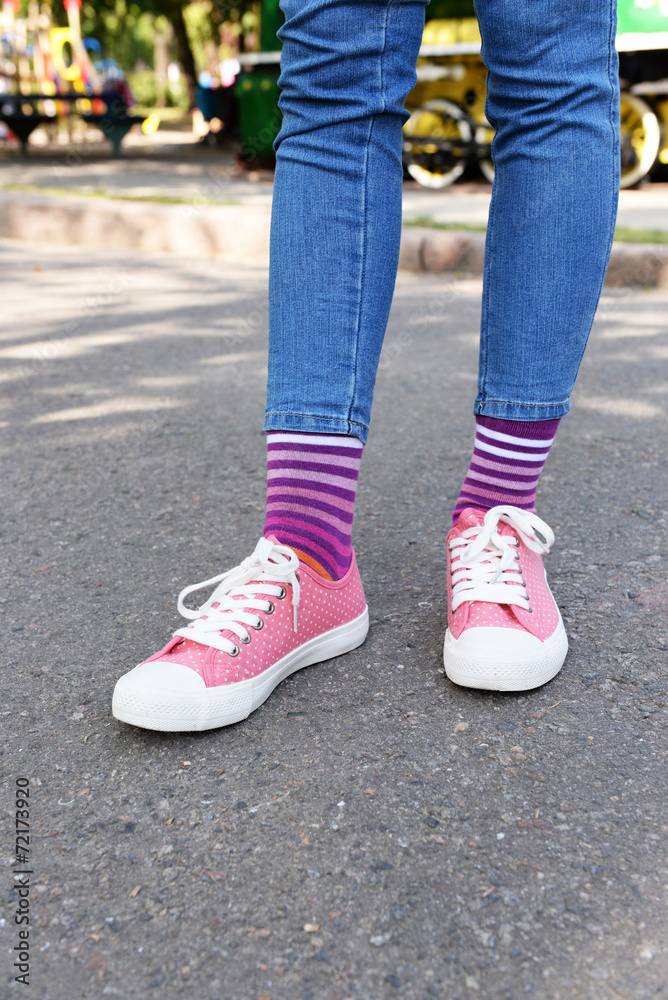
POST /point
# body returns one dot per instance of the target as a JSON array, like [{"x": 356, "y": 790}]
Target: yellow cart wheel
[
  {"x": 439, "y": 162},
  {"x": 640, "y": 139},
  {"x": 483, "y": 136}
]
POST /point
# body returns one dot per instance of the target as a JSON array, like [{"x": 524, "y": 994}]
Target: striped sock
[
  {"x": 508, "y": 458},
  {"x": 311, "y": 484}
]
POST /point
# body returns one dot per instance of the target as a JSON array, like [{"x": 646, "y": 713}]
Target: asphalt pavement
[{"x": 372, "y": 831}]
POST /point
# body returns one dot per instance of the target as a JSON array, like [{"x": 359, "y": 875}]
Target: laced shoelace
[
  {"x": 484, "y": 563},
  {"x": 240, "y": 594}
]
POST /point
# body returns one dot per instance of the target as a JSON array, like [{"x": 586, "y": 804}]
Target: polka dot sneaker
[
  {"x": 505, "y": 632},
  {"x": 268, "y": 617}
]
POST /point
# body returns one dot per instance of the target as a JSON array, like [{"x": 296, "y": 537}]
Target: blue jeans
[{"x": 346, "y": 68}]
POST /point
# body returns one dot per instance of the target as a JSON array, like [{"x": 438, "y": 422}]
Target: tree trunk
[
  {"x": 161, "y": 64},
  {"x": 185, "y": 53}
]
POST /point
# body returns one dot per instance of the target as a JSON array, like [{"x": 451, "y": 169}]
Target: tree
[
  {"x": 217, "y": 10},
  {"x": 173, "y": 11},
  {"x": 121, "y": 28}
]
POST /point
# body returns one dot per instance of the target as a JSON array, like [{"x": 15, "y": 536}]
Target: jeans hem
[
  {"x": 520, "y": 411},
  {"x": 311, "y": 424}
]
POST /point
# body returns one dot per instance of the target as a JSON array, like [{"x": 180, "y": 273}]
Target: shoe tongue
[
  {"x": 277, "y": 541},
  {"x": 471, "y": 517}
]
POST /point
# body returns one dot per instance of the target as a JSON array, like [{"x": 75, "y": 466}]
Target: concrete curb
[
  {"x": 241, "y": 232},
  {"x": 438, "y": 252},
  {"x": 632, "y": 265}
]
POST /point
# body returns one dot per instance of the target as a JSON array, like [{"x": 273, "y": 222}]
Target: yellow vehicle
[{"x": 447, "y": 128}]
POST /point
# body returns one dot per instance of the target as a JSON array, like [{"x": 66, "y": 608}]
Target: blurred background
[
  {"x": 174, "y": 64},
  {"x": 97, "y": 70},
  {"x": 177, "y": 101}
]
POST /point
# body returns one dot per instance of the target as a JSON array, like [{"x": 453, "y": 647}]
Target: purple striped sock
[
  {"x": 508, "y": 458},
  {"x": 311, "y": 484}
]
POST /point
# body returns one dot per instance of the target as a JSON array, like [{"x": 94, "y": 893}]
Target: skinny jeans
[{"x": 553, "y": 100}]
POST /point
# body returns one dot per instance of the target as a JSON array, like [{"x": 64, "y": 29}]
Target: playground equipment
[
  {"x": 46, "y": 74},
  {"x": 642, "y": 41},
  {"x": 448, "y": 129}
]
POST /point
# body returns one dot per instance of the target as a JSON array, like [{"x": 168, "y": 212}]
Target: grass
[
  {"x": 622, "y": 234},
  {"x": 426, "y": 222},
  {"x": 164, "y": 199}
]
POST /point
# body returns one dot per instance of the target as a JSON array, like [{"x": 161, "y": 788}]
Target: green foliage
[
  {"x": 143, "y": 86},
  {"x": 201, "y": 30},
  {"x": 125, "y": 28},
  {"x": 122, "y": 29},
  {"x": 205, "y": 18}
]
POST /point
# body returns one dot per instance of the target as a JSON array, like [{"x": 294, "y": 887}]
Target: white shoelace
[
  {"x": 269, "y": 567},
  {"x": 484, "y": 562}
]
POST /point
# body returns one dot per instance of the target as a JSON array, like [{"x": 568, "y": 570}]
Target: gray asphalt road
[{"x": 372, "y": 831}]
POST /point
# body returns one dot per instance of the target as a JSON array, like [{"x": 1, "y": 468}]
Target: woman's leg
[
  {"x": 346, "y": 68},
  {"x": 553, "y": 100}
]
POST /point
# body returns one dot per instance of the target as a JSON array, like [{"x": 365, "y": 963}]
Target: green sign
[{"x": 641, "y": 22}]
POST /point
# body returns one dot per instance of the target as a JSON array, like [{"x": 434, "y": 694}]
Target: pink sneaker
[
  {"x": 505, "y": 632},
  {"x": 268, "y": 617}
]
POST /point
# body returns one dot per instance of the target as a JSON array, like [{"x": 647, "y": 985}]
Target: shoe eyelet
[
  {"x": 246, "y": 640},
  {"x": 235, "y": 651},
  {"x": 530, "y": 610},
  {"x": 298, "y": 577},
  {"x": 272, "y": 608},
  {"x": 282, "y": 593},
  {"x": 259, "y": 625}
]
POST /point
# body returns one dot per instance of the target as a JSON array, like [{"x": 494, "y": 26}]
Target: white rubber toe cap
[
  {"x": 156, "y": 692},
  {"x": 503, "y": 659},
  {"x": 163, "y": 675},
  {"x": 499, "y": 643}
]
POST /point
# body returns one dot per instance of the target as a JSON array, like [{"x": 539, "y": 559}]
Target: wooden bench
[{"x": 22, "y": 114}]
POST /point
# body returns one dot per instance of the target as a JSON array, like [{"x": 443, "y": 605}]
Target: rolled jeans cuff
[
  {"x": 521, "y": 411},
  {"x": 306, "y": 423}
]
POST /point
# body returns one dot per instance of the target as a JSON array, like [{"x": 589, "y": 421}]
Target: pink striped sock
[
  {"x": 508, "y": 458},
  {"x": 311, "y": 484}
]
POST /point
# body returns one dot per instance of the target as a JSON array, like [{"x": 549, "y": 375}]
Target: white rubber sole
[
  {"x": 195, "y": 707},
  {"x": 488, "y": 666}
]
